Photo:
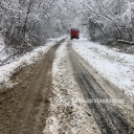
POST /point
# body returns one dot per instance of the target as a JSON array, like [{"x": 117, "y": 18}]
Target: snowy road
[
  {"x": 107, "y": 117},
  {"x": 54, "y": 96}
]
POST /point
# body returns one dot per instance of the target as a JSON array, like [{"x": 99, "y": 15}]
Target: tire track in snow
[
  {"x": 67, "y": 115},
  {"x": 107, "y": 117}
]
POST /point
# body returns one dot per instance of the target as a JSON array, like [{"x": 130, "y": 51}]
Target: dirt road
[
  {"x": 23, "y": 109},
  {"x": 31, "y": 108},
  {"x": 109, "y": 120}
]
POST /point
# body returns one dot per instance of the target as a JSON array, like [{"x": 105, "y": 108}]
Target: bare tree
[{"x": 112, "y": 20}]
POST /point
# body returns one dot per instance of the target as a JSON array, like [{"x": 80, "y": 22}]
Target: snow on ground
[
  {"x": 66, "y": 113},
  {"x": 6, "y": 71},
  {"x": 116, "y": 67},
  {"x": 57, "y": 39}
]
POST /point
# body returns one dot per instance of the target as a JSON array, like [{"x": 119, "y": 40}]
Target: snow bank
[
  {"x": 116, "y": 67},
  {"x": 66, "y": 112},
  {"x": 8, "y": 70}
]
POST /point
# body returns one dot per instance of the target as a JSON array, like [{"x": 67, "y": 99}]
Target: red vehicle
[{"x": 74, "y": 33}]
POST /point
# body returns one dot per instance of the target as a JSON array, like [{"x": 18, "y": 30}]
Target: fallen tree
[{"x": 125, "y": 42}]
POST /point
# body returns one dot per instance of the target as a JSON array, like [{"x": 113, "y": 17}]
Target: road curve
[{"x": 106, "y": 116}]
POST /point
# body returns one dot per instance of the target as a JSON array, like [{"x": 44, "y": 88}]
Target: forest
[{"x": 26, "y": 24}]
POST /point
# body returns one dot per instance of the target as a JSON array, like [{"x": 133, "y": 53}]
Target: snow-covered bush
[
  {"x": 25, "y": 24},
  {"x": 108, "y": 21}
]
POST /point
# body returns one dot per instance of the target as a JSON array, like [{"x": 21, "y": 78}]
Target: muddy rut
[{"x": 24, "y": 108}]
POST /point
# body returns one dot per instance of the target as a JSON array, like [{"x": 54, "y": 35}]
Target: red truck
[{"x": 74, "y": 33}]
